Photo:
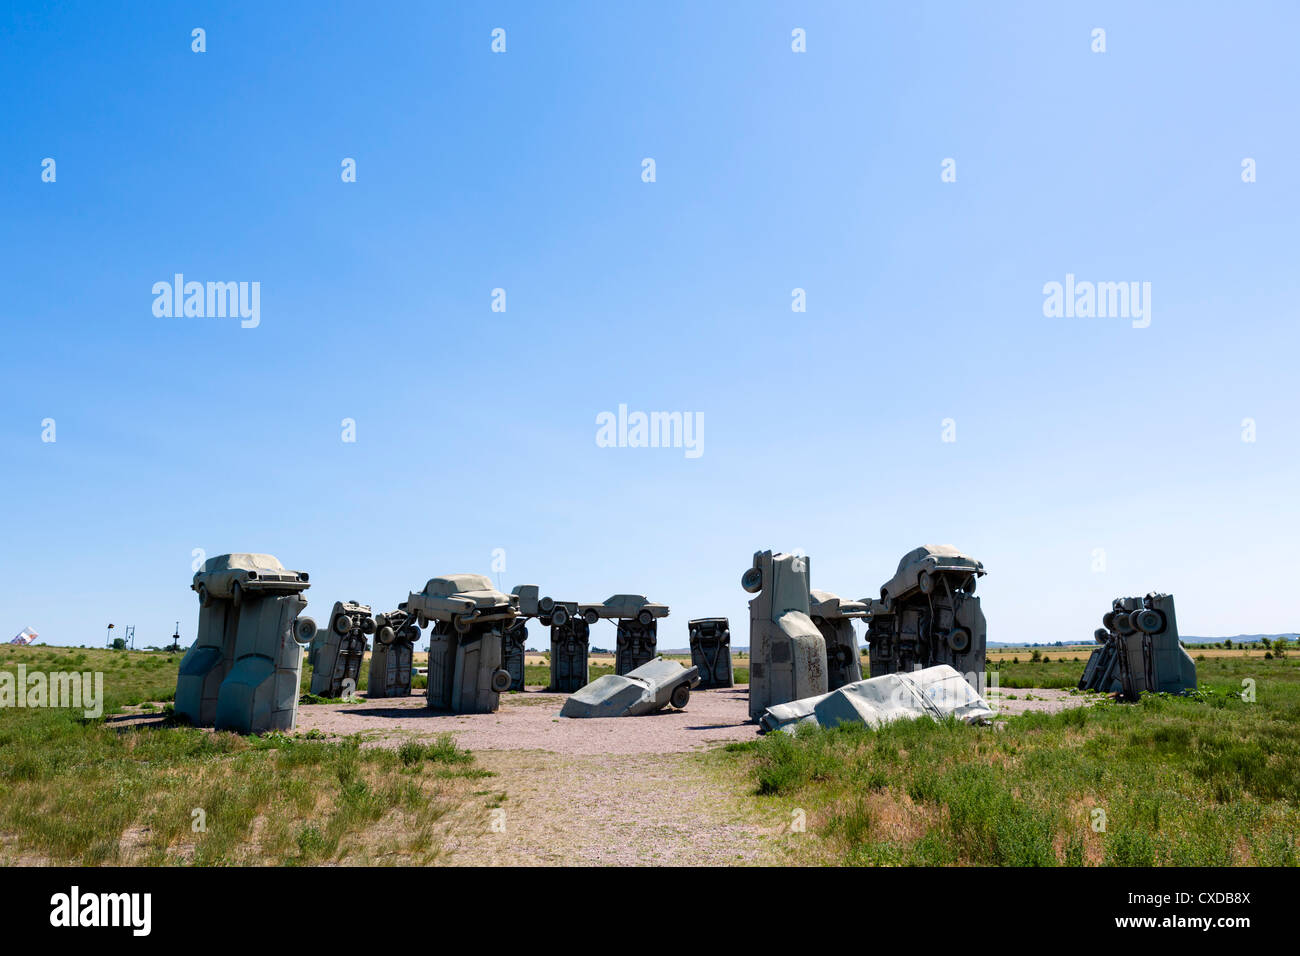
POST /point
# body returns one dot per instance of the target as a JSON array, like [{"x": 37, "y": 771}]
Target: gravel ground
[
  {"x": 630, "y": 810},
  {"x": 1048, "y": 700},
  {"x": 531, "y": 721}
]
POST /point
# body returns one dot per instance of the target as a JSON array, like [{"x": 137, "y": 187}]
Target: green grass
[
  {"x": 539, "y": 675},
  {"x": 1208, "y": 780},
  {"x": 82, "y": 791}
]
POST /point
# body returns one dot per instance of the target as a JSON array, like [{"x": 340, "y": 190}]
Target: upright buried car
[
  {"x": 834, "y": 618},
  {"x": 466, "y": 651},
  {"x": 243, "y": 669},
  {"x": 337, "y": 653},
  {"x": 1140, "y": 650},
  {"x": 928, "y": 614}
]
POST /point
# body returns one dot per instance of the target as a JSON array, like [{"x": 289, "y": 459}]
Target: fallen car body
[
  {"x": 936, "y": 692},
  {"x": 649, "y": 688}
]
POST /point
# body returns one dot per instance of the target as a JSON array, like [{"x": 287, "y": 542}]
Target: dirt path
[{"x": 623, "y": 810}]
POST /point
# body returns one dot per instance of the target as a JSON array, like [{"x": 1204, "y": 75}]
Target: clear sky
[{"x": 775, "y": 170}]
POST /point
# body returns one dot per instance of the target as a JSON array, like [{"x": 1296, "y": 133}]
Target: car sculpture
[
  {"x": 463, "y": 600},
  {"x": 624, "y": 607},
  {"x": 231, "y": 576}
]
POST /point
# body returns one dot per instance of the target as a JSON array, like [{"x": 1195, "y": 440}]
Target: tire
[
  {"x": 1147, "y": 620},
  {"x": 205, "y": 599},
  {"x": 1101, "y": 635},
  {"x": 1122, "y": 622},
  {"x": 752, "y": 580},
  {"x": 368, "y": 625},
  {"x": 925, "y": 582},
  {"x": 645, "y": 618},
  {"x": 680, "y": 697},
  {"x": 959, "y": 640},
  {"x": 304, "y": 630},
  {"x": 236, "y": 593},
  {"x": 1108, "y": 620},
  {"x": 590, "y": 616},
  {"x": 342, "y": 625},
  {"x": 560, "y": 617},
  {"x": 463, "y": 624},
  {"x": 385, "y": 635},
  {"x": 970, "y": 585},
  {"x": 501, "y": 681}
]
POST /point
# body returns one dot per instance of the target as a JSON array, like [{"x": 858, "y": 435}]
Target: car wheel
[
  {"x": 1147, "y": 620},
  {"x": 680, "y": 696},
  {"x": 463, "y": 624},
  {"x": 385, "y": 635},
  {"x": 959, "y": 639},
  {"x": 646, "y": 618},
  {"x": 304, "y": 630},
  {"x": 368, "y": 625},
  {"x": 342, "y": 625},
  {"x": 970, "y": 585},
  {"x": 590, "y": 616},
  {"x": 205, "y": 599},
  {"x": 501, "y": 681},
  {"x": 752, "y": 580},
  {"x": 560, "y": 617},
  {"x": 236, "y": 593},
  {"x": 925, "y": 582}
]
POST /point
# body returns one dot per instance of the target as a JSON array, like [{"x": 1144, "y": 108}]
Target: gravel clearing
[
  {"x": 531, "y": 721},
  {"x": 1047, "y": 700}
]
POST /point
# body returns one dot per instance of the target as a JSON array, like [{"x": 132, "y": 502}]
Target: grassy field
[
  {"x": 1208, "y": 780},
  {"x": 83, "y": 791}
]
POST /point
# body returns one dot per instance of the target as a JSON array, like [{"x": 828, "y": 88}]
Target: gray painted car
[
  {"x": 1139, "y": 650},
  {"x": 834, "y": 617},
  {"x": 919, "y": 570},
  {"x": 624, "y": 607},
  {"x": 937, "y": 692},
  {"x": 649, "y": 688},
  {"x": 242, "y": 672},
  {"x": 232, "y": 576},
  {"x": 462, "y": 600}
]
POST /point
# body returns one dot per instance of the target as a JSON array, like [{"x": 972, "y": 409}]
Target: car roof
[
  {"x": 457, "y": 584},
  {"x": 243, "y": 562}
]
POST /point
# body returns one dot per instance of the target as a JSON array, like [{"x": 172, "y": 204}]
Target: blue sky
[{"x": 475, "y": 430}]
